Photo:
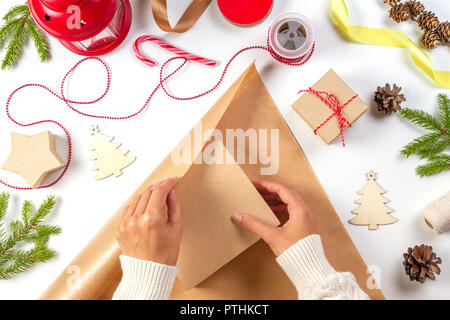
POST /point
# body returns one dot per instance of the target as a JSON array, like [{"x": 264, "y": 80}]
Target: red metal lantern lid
[{"x": 73, "y": 20}]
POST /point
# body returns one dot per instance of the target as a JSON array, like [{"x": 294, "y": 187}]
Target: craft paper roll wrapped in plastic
[
  {"x": 254, "y": 274},
  {"x": 437, "y": 214}
]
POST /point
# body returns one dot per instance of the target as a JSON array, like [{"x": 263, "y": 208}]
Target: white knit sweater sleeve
[
  {"x": 144, "y": 280},
  {"x": 315, "y": 279}
]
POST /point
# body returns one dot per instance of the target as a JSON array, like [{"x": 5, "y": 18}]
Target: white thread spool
[
  {"x": 291, "y": 36},
  {"x": 437, "y": 214}
]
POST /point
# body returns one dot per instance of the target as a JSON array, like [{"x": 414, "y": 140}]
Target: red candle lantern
[{"x": 86, "y": 27}]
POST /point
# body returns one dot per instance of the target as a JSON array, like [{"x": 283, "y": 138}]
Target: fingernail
[{"x": 237, "y": 218}]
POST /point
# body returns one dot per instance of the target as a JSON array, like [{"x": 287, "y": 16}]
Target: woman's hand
[
  {"x": 145, "y": 232},
  {"x": 281, "y": 199}
]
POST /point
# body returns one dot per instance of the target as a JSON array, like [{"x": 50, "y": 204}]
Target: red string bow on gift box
[{"x": 334, "y": 104}]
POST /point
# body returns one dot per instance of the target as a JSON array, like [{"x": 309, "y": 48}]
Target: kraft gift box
[{"x": 316, "y": 112}]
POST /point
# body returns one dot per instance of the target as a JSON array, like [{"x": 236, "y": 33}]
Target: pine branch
[
  {"x": 45, "y": 208},
  {"x": 15, "y": 47},
  {"x": 4, "y": 201},
  {"x": 436, "y": 165},
  {"x": 435, "y": 148},
  {"x": 421, "y": 143},
  {"x": 18, "y": 26},
  {"x": 444, "y": 108},
  {"x": 29, "y": 230},
  {"x": 431, "y": 145},
  {"x": 421, "y": 118},
  {"x": 14, "y": 12},
  {"x": 6, "y": 30},
  {"x": 39, "y": 40}
]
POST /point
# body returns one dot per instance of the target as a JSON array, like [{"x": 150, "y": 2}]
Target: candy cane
[{"x": 168, "y": 47}]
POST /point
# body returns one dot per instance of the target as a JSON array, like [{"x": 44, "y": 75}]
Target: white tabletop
[{"x": 373, "y": 143}]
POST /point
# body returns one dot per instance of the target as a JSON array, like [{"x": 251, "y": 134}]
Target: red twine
[
  {"x": 185, "y": 56},
  {"x": 333, "y": 102}
]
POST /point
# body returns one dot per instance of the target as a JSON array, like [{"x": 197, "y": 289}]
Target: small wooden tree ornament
[
  {"x": 110, "y": 159},
  {"x": 33, "y": 157},
  {"x": 373, "y": 210}
]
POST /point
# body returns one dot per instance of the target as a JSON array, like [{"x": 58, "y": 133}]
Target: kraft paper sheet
[{"x": 254, "y": 274}]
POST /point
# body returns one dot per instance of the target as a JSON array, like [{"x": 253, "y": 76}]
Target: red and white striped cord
[
  {"x": 335, "y": 105},
  {"x": 180, "y": 55}
]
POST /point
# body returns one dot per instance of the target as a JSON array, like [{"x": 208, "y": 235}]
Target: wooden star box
[{"x": 33, "y": 157}]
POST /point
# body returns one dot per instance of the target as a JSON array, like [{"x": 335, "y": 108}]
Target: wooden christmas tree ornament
[
  {"x": 110, "y": 159},
  {"x": 33, "y": 157},
  {"x": 372, "y": 210}
]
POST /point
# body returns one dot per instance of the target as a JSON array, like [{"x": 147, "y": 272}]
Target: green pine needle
[
  {"x": 39, "y": 40},
  {"x": 420, "y": 143},
  {"x": 432, "y": 145},
  {"x": 444, "y": 108},
  {"x": 15, "y": 46},
  {"x": 18, "y": 25},
  {"x": 421, "y": 118},
  {"x": 439, "y": 146},
  {"x": 434, "y": 166},
  {"x": 6, "y": 30},
  {"x": 30, "y": 229},
  {"x": 14, "y": 12}
]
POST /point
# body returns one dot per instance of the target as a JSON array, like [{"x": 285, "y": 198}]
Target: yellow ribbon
[{"x": 386, "y": 37}]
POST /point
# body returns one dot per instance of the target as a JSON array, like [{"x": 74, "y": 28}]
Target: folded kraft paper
[
  {"x": 254, "y": 273},
  {"x": 210, "y": 194}
]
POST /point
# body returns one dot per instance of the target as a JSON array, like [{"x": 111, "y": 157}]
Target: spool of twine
[{"x": 437, "y": 214}]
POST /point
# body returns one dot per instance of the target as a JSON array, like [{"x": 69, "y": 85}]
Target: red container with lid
[{"x": 85, "y": 27}]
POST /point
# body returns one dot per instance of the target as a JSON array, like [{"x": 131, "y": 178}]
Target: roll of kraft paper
[
  {"x": 291, "y": 36},
  {"x": 437, "y": 214},
  {"x": 245, "y": 13}
]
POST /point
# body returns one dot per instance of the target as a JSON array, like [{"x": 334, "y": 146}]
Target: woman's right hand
[{"x": 281, "y": 199}]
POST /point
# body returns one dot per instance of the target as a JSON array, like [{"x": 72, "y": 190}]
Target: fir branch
[
  {"x": 431, "y": 145},
  {"x": 15, "y": 47},
  {"x": 18, "y": 26},
  {"x": 4, "y": 202},
  {"x": 45, "y": 208},
  {"x": 29, "y": 230},
  {"x": 435, "y": 165},
  {"x": 444, "y": 108},
  {"x": 420, "y": 143},
  {"x": 14, "y": 12},
  {"x": 421, "y": 118},
  {"x": 39, "y": 40},
  {"x": 435, "y": 148},
  {"x": 7, "y": 29}
]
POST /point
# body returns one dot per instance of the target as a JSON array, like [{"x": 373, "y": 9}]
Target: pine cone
[
  {"x": 399, "y": 12},
  {"x": 431, "y": 39},
  {"x": 387, "y": 99},
  {"x": 428, "y": 21},
  {"x": 415, "y": 7},
  {"x": 421, "y": 262},
  {"x": 391, "y": 2},
  {"x": 444, "y": 30}
]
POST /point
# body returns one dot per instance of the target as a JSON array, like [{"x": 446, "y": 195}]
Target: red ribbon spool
[{"x": 245, "y": 12}]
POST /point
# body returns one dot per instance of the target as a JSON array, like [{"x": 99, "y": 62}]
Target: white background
[{"x": 374, "y": 142}]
